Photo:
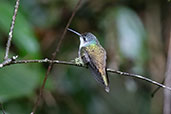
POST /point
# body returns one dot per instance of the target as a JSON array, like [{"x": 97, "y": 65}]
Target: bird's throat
[{"x": 85, "y": 44}]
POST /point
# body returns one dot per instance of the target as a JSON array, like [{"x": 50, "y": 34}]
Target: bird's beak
[{"x": 74, "y": 32}]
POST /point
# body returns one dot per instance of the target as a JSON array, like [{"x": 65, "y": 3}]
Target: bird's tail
[
  {"x": 107, "y": 89},
  {"x": 106, "y": 82}
]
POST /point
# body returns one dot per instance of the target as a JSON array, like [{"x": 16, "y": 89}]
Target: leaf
[
  {"x": 126, "y": 35},
  {"x": 21, "y": 79},
  {"x": 23, "y": 37},
  {"x": 131, "y": 32},
  {"x": 17, "y": 81}
]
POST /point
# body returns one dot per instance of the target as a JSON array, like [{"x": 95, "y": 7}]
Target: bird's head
[{"x": 85, "y": 38}]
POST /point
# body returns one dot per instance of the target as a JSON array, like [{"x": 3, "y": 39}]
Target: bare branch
[
  {"x": 8, "y": 61},
  {"x": 37, "y": 61},
  {"x": 74, "y": 64},
  {"x": 138, "y": 77},
  {"x": 11, "y": 30}
]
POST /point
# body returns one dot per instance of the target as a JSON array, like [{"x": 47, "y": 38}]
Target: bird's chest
[{"x": 89, "y": 50}]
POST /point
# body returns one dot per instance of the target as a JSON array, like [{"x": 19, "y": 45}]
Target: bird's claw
[{"x": 79, "y": 61}]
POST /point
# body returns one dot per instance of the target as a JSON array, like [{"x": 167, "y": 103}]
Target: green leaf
[
  {"x": 23, "y": 37},
  {"x": 17, "y": 81},
  {"x": 131, "y": 32},
  {"x": 123, "y": 24}
]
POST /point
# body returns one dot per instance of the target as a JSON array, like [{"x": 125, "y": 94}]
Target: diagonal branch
[
  {"x": 11, "y": 30},
  {"x": 2, "y": 109},
  {"x": 74, "y": 64},
  {"x": 54, "y": 55}
]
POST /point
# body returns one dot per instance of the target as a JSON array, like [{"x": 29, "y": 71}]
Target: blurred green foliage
[
  {"x": 24, "y": 36},
  {"x": 23, "y": 83},
  {"x": 120, "y": 27}
]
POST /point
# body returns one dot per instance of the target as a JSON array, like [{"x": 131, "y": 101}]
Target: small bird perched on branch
[{"x": 92, "y": 54}]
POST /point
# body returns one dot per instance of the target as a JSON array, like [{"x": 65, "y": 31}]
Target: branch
[
  {"x": 54, "y": 55},
  {"x": 13, "y": 61},
  {"x": 2, "y": 108},
  {"x": 11, "y": 30},
  {"x": 74, "y": 64},
  {"x": 138, "y": 77},
  {"x": 167, "y": 94}
]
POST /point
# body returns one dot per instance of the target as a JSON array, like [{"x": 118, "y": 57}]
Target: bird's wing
[{"x": 95, "y": 58}]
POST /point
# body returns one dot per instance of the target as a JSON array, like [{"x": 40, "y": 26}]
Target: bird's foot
[{"x": 79, "y": 61}]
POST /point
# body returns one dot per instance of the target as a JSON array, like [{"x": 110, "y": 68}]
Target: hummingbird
[{"x": 92, "y": 54}]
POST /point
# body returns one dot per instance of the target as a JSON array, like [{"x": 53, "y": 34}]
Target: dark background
[{"x": 135, "y": 34}]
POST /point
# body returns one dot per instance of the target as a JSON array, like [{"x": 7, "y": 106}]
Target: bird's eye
[{"x": 84, "y": 38}]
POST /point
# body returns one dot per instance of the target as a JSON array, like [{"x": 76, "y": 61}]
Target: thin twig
[
  {"x": 38, "y": 61},
  {"x": 11, "y": 30},
  {"x": 54, "y": 55},
  {"x": 74, "y": 64},
  {"x": 2, "y": 108},
  {"x": 138, "y": 77}
]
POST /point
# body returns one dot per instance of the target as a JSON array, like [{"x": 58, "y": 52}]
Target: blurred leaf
[
  {"x": 131, "y": 37},
  {"x": 30, "y": 75},
  {"x": 17, "y": 81},
  {"x": 124, "y": 23},
  {"x": 23, "y": 37},
  {"x": 131, "y": 32},
  {"x": 43, "y": 16},
  {"x": 18, "y": 107}
]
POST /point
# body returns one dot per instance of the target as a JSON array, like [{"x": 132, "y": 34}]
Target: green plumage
[{"x": 94, "y": 56}]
